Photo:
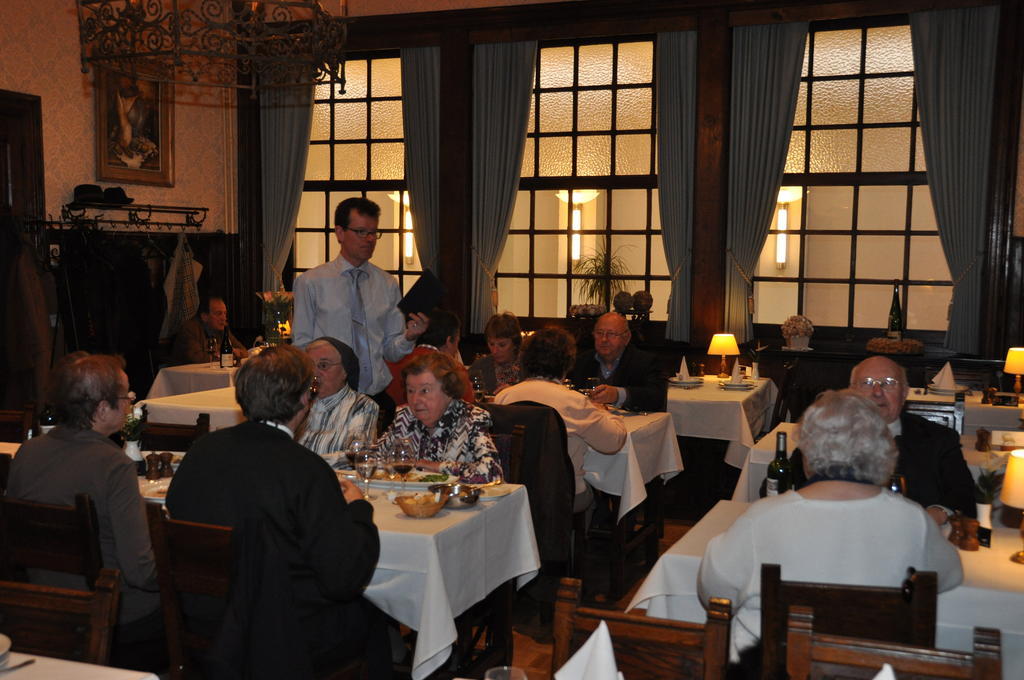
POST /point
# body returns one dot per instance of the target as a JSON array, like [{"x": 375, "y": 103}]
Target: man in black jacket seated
[
  {"x": 630, "y": 377},
  {"x": 930, "y": 457},
  {"x": 323, "y": 531}
]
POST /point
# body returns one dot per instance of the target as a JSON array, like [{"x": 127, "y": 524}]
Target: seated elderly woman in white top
[
  {"x": 843, "y": 527},
  {"x": 547, "y": 357}
]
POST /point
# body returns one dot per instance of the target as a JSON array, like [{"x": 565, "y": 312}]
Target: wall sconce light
[
  {"x": 787, "y": 195},
  {"x": 408, "y": 240},
  {"x": 579, "y": 197}
]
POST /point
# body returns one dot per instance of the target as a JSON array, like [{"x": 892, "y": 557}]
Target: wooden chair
[
  {"x": 941, "y": 412},
  {"x": 196, "y": 559},
  {"x": 785, "y": 406},
  {"x": 645, "y": 647},
  {"x": 55, "y": 537},
  {"x": 5, "y": 471},
  {"x": 814, "y": 655},
  {"x": 904, "y": 615},
  {"x": 510, "y": 451},
  {"x": 68, "y": 624},
  {"x": 15, "y": 424},
  {"x": 171, "y": 437}
]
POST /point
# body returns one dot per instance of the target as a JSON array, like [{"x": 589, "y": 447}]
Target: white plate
[
  {"x": 690, "y": 381},
  {"x": 411, "y": 484},
  {"x": 797, "y": 349},
  {"x": 736, "y": 386},
  {"x": 155, "y": 490},
  {"x": 955, "y": 390},
  {"x": 491, "y": 493}
]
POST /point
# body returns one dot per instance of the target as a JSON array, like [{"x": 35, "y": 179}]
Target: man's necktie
[{"x": 360, "y": 338}]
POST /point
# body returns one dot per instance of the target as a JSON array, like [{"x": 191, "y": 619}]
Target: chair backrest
[
  {"x": 67, "y": 624},
  {"x": 783, "y": 406},
  {"x": 645, "y": 647},
  {"x": 15, "y": 424},
  {"x": 171, "y": 437},
  {"x": 546, "y": 471},
  {"x": 905, "y": 614},
  {"x": 814, "y": 655},
  {"x": 5, "y": 471},
  {"x": 944, "y": 413},
  {"x": 191, "y": 558},
  {"x": 55, "y": 537},
  {"x": 510, "y": 452}
]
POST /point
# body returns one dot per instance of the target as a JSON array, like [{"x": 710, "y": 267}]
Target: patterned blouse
[
  {"x": 336, "y": 420},
  {"x": 494, "y": 375},
  {"x": 460, "y": 441}
]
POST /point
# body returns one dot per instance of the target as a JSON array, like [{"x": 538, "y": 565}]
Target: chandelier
[{"x": 223, "y": 43}]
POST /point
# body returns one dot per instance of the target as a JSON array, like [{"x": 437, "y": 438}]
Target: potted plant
[
  {"x": 797, "y": 331},
  {"x": 607, "y": 270}
]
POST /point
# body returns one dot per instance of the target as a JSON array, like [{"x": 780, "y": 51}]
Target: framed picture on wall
[{"x": 134, "y": 129}]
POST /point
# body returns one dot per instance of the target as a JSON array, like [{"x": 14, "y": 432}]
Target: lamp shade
[
  {"x": 723, "y": 343},
  {"x": 1014, "y": 361},
  {"x": 1012, "y": 492}
]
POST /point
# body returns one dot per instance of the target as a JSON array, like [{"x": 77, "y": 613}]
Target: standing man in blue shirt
[{"x": 353, "y": 300}]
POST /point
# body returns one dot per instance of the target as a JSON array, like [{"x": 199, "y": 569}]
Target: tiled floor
[{"x": 533, "y": 639}]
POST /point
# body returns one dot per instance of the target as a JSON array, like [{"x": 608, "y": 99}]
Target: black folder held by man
[{"x": 424, "y": 295}]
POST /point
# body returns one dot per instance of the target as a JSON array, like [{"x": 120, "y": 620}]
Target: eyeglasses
[
  {"x": 887, "y": 384},
  {"x": 363, "y": 233},
  {"x": 609, "y": 334},
  {"x": 325, "y": 365}
]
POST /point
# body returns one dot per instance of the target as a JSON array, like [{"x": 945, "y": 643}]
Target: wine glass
[
  {"x": 505, "y": 673},
  {"x": 366, "y": 464},
  {"x": 403, "y": 458},
  {"x": 898, "y": 484},
  {"x": 387, "y": 460},
  {"x": 211, "y": 349},
  {"x": 355, "y": 447},
  {"x": 592, "y": 384}
]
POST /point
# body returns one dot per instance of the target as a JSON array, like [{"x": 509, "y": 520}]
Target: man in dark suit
[
  {"x": 323, "y": 532},
  {"x": 930, "y": 457},
  {"x": 629, "y": 377}
]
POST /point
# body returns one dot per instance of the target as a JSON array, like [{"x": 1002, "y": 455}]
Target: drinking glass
[
  {"x": 387, "y": 460},
  {"x": 505, "y": 673},
  {"x": 403, "y": 458},
  {"x": 354, "y": 448},
  {"x": 592, "y": 384},
  {"x": 898, "y": 484},
  {"x": 366, "y": 464},
  {"x": 211, "y": 349}
]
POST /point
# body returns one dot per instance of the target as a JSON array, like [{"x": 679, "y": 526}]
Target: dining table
[
  {"x": 48, "y": 668},
  {"x": 755, "y": 467},
  {"x": 651, "y": 451},
  {"x": 976, "y": 414},
  {"x": 991, "y": 594},
  {"x": 432, "y": 570},
  {"x": 10, "y": 447},
  {"x": 712, "y": 411},
  {"x": 183, "y": 409},
  {"x": 172, "y": 380}
]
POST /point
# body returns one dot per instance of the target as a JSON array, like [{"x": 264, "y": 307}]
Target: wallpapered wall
[{"x": 39, "y": 55}]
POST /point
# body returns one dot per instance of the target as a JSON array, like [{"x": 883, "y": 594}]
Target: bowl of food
[
  {"x": 422, "y": 505},
  {"x": 461, "y": 495}
]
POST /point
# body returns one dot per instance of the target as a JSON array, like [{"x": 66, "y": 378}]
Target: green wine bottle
[
  {"x": 895, "y": 330},
  {"x": 780, "y": 470}
]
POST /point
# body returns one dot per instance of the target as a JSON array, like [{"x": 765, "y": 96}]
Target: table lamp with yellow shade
[
  {"x": 1015, "y": 365},
  {"x": 1012, "y": 493},
  {"x": 725, "y": 345}
]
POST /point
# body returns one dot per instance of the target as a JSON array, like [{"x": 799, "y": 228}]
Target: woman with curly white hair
[{"x": 844, "y": 526}]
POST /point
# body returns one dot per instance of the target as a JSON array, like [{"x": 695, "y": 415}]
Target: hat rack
[{"x": 133, "y": 217}]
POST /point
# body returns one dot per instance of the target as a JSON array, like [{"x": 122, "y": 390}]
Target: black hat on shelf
[
  {"x": 89, "y": 193},
  {"x": 116, "y": 196}
]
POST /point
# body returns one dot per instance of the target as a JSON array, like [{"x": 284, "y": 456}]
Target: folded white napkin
[
  {"x": 737, "y": 377},
  {"x": 595, "y": 660},
  {"x": 944, "y": 379},
  {"x": 886, "y": 673},
  {"x": 684, "y": 371}
]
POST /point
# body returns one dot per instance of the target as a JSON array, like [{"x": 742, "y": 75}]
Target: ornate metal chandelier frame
[{"x": 221, "y": 43}]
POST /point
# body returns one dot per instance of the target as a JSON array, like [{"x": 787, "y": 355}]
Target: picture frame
[{"x": 134, "y": 129}]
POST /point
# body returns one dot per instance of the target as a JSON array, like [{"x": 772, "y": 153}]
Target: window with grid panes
[
  {"x": 356, "y": 148},
  {"x": 855, "y": 213},
  {"x": 588, "y": 184}
]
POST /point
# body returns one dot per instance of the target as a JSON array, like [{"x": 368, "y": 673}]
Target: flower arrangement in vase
[{"x": 797, "y": 330}]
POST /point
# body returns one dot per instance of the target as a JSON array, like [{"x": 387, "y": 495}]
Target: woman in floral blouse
[{"x": 449, "y": 435}]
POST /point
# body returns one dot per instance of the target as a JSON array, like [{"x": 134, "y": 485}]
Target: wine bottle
[
  {"x": 47, "y": 419},
  {"x": 780, "y": 471},
  {"x": 895, "y": 330},
  {"x": 227, "y": 355}
]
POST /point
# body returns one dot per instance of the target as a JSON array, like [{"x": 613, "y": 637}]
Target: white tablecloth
[
  {"x": 9, "y": 447},
  {"x": 183, "y": 409},
  {"x": 755, "y": 468},
  {"x": 715, "y": 413},
  {"x": 46, "y": 668},
  {"x": 650, "y": 450},
  {"x": 432, "y": 570},
  {"x": 992, "y": 593},
  {"x": 190, "y": 378},
  {"x": 976, "y": 414}
]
